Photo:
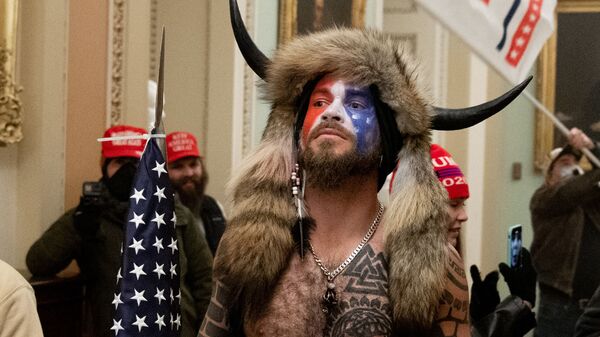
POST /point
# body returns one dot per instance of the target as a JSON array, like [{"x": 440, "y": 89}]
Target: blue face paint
[
  {"x": 351, "y": 106},
  {"x": 360, "y": 107}
]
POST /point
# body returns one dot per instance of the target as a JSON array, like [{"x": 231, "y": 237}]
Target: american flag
[{"x": 148, "y": 297}]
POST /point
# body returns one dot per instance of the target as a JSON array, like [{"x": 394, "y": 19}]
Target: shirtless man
[{"x": 317, "y": 254}]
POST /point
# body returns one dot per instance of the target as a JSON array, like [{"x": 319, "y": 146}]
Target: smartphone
[{"x": 515, "y": 242}]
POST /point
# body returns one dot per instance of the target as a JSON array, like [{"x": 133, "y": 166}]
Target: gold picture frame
[
  {"x": 10, "y": 104},
  {"x": 289, "y": 10},
  {"x": 546, "y": 135}
]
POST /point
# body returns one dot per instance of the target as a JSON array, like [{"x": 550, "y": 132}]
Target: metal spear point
[{"x": 161, "y": 78}]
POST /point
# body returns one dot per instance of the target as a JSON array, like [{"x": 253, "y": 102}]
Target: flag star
[
  {"x": 159, "y": 270},
  {"x": 140, "y": 322},
  {"x": 160, "y": 321},
  {"x": 159, "y": 168},
  {"x": 158, "y": 244},
  {"x": 174, "y": 219},
  {"x": 119, "y": 274},
  {"x": 117, "y": 326},
  {"x": 178, "y": 321},
  {"x": 138, "y": 270},
  {"x": 137, "y": 245},
  {"x": 137, "y": 219},
  {"x": 514, "y": 54},
  {"x": 173, "y": 246},
  {"x": 158, "y": 218},
  {"x": 139, "y": 296},
  {"x": 138, "y": 195},
  {"x": 178, "y": 297},
  {"x": 117, "y": 300},
  {"x": 520, "y": 42},
  {"x": 172, "y": 269},
  {"x": 171, "y": 321},
  {"x": 532, "y": 17},
  {"x": 171, "y": 296},
  {"x": 160, "y": 295},
  {"x": 121, "y": 249},
  {"x": 160, "y": 193},
  {"x": 527, "y": 29}
]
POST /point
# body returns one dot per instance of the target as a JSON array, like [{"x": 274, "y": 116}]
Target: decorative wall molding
[
  {"x": 400, "y": 7},
  {"x": 153, "y": 52},
  {"x": 117, "y": 62},
  {"x": 249, "y": 89},
  {"x": 10, "y": 104}
]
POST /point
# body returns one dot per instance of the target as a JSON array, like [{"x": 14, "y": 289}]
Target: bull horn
[
  {"x": 253, "y": 56},
  {"x": 456, "y": 119}
]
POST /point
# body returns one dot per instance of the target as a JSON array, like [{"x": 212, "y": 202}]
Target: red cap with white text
[
  {"x": 181, "y": 144},
  {"x": 448, "y": 173},
  {"x": 123, "y": 147}
]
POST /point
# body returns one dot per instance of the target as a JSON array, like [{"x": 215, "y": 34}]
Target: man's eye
[
  {"x": 357, "y": 105},
  {"x": 319, "y": 104}
]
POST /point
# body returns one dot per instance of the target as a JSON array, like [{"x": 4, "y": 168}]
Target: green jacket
[{"x": 99, "y": 259}]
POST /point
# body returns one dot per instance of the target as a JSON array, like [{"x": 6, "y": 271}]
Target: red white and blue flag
[
  {"x": 508, "y": 34},
  {"x": 147, "y": 299}
]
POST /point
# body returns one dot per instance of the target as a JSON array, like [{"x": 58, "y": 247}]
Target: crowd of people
[{"x": 308, "y": 249}]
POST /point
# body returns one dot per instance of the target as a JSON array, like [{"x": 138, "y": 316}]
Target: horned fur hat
[{"x": 258, "y": 242}]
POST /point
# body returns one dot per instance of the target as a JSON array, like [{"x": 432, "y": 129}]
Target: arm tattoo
[
  {"x": 453, "y": 310},
  {"x": 216, "y": 321}
]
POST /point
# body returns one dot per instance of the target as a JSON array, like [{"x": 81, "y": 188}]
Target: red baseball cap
[
  {"x": 126, "y": 147},
  {"x": 181, "y": 144},
  {"x": 448, "y": 173}
]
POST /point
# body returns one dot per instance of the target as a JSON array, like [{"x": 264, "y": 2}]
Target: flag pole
[{"x": 559, "y": 125}]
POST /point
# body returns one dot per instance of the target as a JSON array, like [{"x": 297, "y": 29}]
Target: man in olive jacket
[
  {"x": 565, "y": 215},
  {"x": 92, "y": 234}
]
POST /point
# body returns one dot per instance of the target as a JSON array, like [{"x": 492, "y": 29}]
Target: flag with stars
[
  {"x": 147, "y": 296},
  {"x": 508, "y": 34}
]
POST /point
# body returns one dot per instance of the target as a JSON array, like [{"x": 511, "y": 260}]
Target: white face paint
[{"x": 349, "y": 107}]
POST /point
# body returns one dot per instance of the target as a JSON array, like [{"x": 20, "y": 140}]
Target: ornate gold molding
[
  {"x": 153, "y": 39},
  {"x": 248, "y": 89},
  {"x": 288, "y": 15},
  {"x": 117, "y": 61},
  {"x": 10, "y": 104},
  {"x": 546, "y": 81}
]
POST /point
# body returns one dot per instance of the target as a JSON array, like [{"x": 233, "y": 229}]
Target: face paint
[{"x": 349, "y": 107}]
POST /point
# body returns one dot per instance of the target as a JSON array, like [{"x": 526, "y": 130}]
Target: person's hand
[
  {"x": 521, "y": 279},
  {"x": 484, "y": 295},
  {"x": 87, "y": 216},
  {"x": 579, "y": 140}
]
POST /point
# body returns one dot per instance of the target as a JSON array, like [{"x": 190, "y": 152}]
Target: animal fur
[{"x": 258, "y": 242}]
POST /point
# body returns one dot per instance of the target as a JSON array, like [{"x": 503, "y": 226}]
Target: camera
[
  {"x": 93, "y": 193},
  {"x": 92, "y": 189}
]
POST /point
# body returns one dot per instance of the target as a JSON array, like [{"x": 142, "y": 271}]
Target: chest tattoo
[{"x": 363, "y": 309}]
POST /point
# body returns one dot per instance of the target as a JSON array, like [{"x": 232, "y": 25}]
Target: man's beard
[
  {"x": 327, "y": 170},
  {"x": 192, "y": 199}
]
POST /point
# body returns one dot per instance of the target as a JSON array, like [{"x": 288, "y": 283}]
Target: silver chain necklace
[{"x": 330, "y": 296}]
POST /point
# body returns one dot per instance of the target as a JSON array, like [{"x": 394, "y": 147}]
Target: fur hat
[
  {"x": 258, "y": 242},
  {"x": 263, "y": 209}
]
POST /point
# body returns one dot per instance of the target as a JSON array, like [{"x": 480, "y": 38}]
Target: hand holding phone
[{"x": 515, "y": 242}]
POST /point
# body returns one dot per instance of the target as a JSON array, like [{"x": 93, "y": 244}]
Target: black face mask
[{"x": 119, "y": 185}]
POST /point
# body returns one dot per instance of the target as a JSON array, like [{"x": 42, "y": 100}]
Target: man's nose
[
  {"x": 334, "y": 113},
  {"x": 188, "y": 171}
]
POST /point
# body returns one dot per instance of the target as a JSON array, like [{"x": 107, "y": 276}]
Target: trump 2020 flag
[
  {"x": 147, "y": 298},
  {"x": 508, "y": 34}
]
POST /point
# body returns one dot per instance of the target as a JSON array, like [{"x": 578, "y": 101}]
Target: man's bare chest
[{"x": 296, "y": 308}]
